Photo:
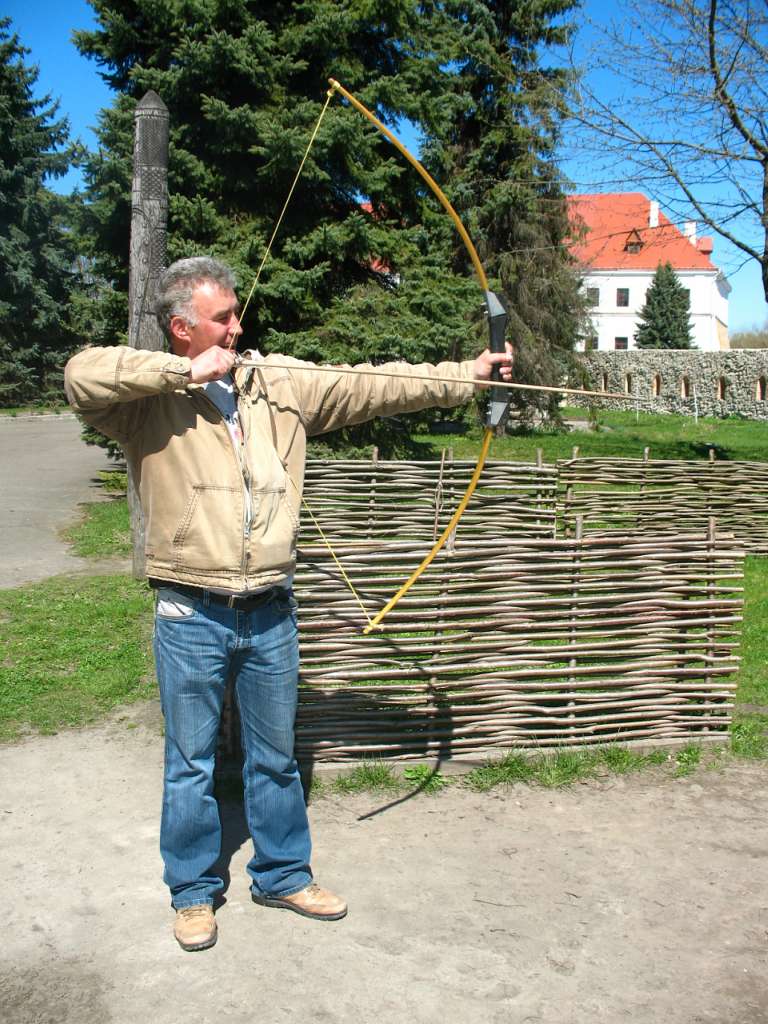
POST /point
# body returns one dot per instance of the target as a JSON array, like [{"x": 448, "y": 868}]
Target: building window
[
  {"x": 622, "y": 296},
  {"x": 620, "y": 344},
  {"x": 760, "y": 389},
  {"x": 593, "y": 296},
  {"x": 656, "y": 386},
  {"x": 590, "y": 344},
  {"x": 685, "y": 388},
  {"x": 628, "y": 384},
  {"x": 722, "y": 388}
]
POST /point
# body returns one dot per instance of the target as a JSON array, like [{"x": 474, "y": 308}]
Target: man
[{"x": 217, "y": 452}]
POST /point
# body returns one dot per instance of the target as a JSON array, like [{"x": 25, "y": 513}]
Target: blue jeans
[{"x": 198, "y": 647}]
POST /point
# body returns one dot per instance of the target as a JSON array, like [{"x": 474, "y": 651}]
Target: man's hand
[
  {"x": 211, "y": 364},
  {"x": 486, "y": 361}
]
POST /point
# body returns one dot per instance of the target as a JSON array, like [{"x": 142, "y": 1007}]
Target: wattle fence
[
  {"x": 388, "y": 500},
  {"x": 530, "y": 644},
  {"x": 566, "y": 612},
  {"x": 658, "y": 495}
]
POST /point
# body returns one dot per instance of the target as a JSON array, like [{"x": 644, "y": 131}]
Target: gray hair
[{"x": 177, "y": 285}]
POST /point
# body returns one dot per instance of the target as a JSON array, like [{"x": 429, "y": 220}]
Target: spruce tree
[
  {"x": 665, "y": 316},
  {"x": 37, "y": 266},
  {"x": 497, "y": 146},
  {"x": 244, "y": 86}
]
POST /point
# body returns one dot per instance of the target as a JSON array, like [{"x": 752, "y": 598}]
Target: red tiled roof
[{"x": 613, "y": 219}]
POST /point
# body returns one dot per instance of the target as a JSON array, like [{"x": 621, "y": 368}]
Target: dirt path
[{"x": 639, "y": 899}]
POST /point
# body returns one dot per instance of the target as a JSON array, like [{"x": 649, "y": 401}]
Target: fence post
[
  {"x": 539, "y": 495},
  {"x": 711, "y": 613},
  {"x": 372, "y": 519},
  {"x": 438, "y": 498},
  {"x": 574, "y": 625},
  {"x": 149, "y": 221}
]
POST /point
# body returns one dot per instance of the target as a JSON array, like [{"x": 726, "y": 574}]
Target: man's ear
[{"x": 180, "y": 336}]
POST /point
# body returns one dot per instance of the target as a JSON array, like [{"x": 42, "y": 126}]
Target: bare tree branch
[{"x": 678, "y": 89}]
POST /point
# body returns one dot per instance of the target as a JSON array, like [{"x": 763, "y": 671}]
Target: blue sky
[{"x": 46, "y": 28}]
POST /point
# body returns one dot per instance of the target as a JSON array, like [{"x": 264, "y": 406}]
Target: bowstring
[{"x": 265, "y": 257}]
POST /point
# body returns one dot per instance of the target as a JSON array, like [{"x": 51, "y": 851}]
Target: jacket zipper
[
  {"x": 245, "y": 476},
  {"x": 247, "y": 493}
]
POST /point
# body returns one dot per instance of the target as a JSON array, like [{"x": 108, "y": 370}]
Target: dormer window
[{"x": 634, "y": 243}]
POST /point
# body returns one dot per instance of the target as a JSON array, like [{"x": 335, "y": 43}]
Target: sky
[{"x": 45, "y": 28}]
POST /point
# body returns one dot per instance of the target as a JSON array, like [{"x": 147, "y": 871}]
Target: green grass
[
  {"x": 561, "y": 767},
  {"x": 687, "y": 760},
  {"x": 103, "y": 532},
  {"x": 753, "y": 674},
  {"x": 622, "y": 435},
  {"x": 114, "y": 481},
  {"x": 426, "y": 779},
  {"x": 34, "y": 410},
  {"x": 749, "y": 736},
  {"x": 373, "y": 776},
  {"x": 73, "y": 649}
]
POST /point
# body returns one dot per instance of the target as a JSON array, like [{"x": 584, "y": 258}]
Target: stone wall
[{"x": 689, "y": 382}]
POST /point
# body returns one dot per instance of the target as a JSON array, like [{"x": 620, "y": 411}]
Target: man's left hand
[{"x": 486, "y": 361}]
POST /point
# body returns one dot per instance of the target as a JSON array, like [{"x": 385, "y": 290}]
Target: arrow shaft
[{"x": 376, "y": 372}]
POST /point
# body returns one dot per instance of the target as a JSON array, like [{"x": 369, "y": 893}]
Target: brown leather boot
[
  {"x": 313, "y": 901},
  {"x": 195, "y": 927}
]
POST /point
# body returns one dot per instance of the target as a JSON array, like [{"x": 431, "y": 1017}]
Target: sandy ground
[{"x": 640, "y": 899}]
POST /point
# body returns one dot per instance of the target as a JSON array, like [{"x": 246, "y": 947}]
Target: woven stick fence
[
  {"x": 515, "y": 645},
  {"x": 664, "y": 495},
  {"x": 414, "y": 500}
]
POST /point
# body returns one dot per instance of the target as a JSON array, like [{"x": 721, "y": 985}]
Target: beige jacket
[{"x": 192, "y": 478}]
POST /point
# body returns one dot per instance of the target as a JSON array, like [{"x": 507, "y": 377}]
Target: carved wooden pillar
[{"x": 149, "y": 221}]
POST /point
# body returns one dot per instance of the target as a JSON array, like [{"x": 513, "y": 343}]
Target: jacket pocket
[
  {"x": 273, "y": 533},
  {"x": 172, "y": 605},
  {"x": 209, "y": 535}
]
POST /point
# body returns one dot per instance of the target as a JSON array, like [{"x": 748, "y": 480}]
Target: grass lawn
[
  {"x": 103, "y": 532},
  {"x": 34, "y": 410},
  {"x": 622, "y": 435},
  {"x": 74, "y": 649}
]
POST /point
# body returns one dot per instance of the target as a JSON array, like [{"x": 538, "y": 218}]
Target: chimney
[
  {"x": 689, "y": 230},
  {"x": 653, "y": 215}
]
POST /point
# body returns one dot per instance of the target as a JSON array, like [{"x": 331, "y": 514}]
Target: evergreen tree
[
  {"x": 38, "y": 271},
  {"x": 244, "y": 87},
  {"x": 665, "y": 316},
  {"x": 497, "y": 146}
]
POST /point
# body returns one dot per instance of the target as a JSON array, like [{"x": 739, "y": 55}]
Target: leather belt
[{"x": 240, "y": 602}]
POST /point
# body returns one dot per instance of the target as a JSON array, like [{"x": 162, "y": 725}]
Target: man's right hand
[{"x": 211, "y": 364}]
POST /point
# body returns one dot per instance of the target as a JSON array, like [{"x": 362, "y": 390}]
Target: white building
[{"x": 625, "y": 237}]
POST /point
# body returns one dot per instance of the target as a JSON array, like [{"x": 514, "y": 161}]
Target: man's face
[{"x": 217, "y": 323}]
